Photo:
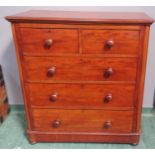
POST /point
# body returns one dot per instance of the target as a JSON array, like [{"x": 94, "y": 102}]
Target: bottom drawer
[{"x": 82, "y": 120}]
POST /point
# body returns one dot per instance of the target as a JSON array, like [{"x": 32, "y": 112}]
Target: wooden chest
[
  {"x": 82, "y": 74},
  {"x": 4, "y": 107}
]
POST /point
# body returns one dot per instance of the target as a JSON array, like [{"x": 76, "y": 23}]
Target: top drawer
[
  {"x": 49, "y": 40},
  {"x": 110, "y": 41},
  {"x": 89, "y": 41}
]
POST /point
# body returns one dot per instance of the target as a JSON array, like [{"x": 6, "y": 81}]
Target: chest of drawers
[{"x": 82, "y": 74}]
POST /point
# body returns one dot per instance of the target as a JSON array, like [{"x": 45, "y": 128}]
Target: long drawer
[
  {"x": 82, "y": 121},
  {"x": 79, "y": 68},
  {"x": 85, "y": 96}
]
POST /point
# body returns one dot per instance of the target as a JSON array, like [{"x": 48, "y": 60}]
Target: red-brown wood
[
  {"x": 82, "y": 120},
  {"x": 82, "y": 17},
  {"x": 141, "y": 77},
  {"x": 80, "y": 69},
  {"x": 85, "y": 96},
  {"x": 74, "y": 89},
  {"x": 49, "y": 40},
  {"x": 36, "y": 136},
  {"x": 21, "y": 73},
  {"x": 110, "y": 41},
  {"x": 82, "y": 26}
]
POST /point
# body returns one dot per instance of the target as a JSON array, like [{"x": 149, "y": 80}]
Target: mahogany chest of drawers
[{"x": 82, "y": 74}]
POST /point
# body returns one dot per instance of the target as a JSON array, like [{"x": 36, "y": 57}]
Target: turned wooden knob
[
  {"x": 107, "y": 124},
  {"x": 109, "y": 43},
  {"x": 108, "y": 98},
  {"x": 56, "y": 123},
  {"x": 53, "y": 97},
  {"x": 48, "y": 43},
  {"x": 51, "y": 71},
  {"x": 108, "y": 72}
]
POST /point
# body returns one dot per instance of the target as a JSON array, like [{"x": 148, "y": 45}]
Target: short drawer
[
  {"x": 110, "y": 41},
  {"x": 82, "y": 120},
  {"x": 86, "y": 96},
  {"x": 35, "y": 40},
  {"x": 80, "y": 68}
]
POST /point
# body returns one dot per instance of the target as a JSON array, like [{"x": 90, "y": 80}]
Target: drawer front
[
  {"x": 49, "y": 40},
  {"x": 110, "y": 41},
  {"x": 81, "y": 95},
  {"x": 82, "y": 120},
  {"x": 80, "y": 68}
]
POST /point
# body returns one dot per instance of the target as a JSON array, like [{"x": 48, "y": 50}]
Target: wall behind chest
[{"x": 8, "y": 58}]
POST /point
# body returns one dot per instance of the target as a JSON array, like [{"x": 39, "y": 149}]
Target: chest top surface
[{"x": 70, "y": 16}]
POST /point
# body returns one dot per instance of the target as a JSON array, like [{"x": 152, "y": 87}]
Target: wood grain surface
[
  {"x": 82, "y": 96},
  {"x": 80, "y": 69}
]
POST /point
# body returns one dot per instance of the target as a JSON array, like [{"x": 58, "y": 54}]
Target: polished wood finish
[
  {"x": 110, "y": 41},
  {"x": 49, "y": 40},
  {"x": 53, "y": 97},
  {"x": 82, "y": 17},
  {"x": 83, "y": 96},
  {"x": 82, "y": 120},
  {"x": 51, "y": 71},
  {"x": 82, "y": 74},
  {"x": 80, "y": 68}
]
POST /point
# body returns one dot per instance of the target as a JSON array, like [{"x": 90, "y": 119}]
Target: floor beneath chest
[{"x": 12, "y": 134}]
